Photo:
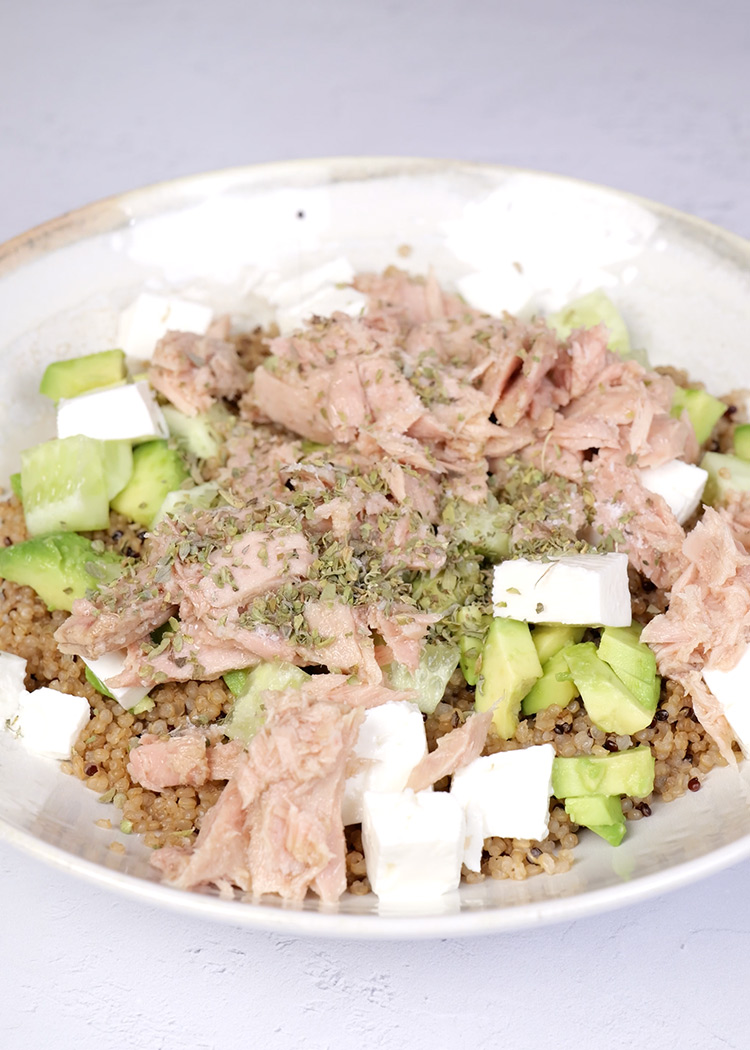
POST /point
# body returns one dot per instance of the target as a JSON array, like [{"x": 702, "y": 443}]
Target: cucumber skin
[{"x": 64, "y": 487}]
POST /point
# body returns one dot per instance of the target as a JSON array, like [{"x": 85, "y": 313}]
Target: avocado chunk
[
  {"x": 602, "y": 814},
  {"x": 632, "y": 661},
  {"x": 742, "y": 441},
  {"x": 726, "y": 474},
  {"x": 97, "y": 683},
  {"x": 60, "y": 567},
  {"x": 248, "y": 714},
  {"x": 609, "y": 703},
  {"x": 236, "y": 681},
  {"x": 79, "y": 374},
  {"x": 436, "y": 665},
  {"x": 628, "y": 772},
  {"x": 704, "y": 411},
  {"x": 550, "y": 638},
  {"x": 510, "y": 666},
  {"x": 157, "y": 470},
  {"x": 556, "y": 686}
]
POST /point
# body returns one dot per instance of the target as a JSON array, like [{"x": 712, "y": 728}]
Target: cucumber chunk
[
  {"x": 15, "y": 486},
  {"x": 59, "y": 567},
  {"x": 79, "y": 374},
  {"x": 118, "y": 465},
  {"x": 199, "y": 435},
  {"x": 157, "y": 470},
  {"x": 704, "y": 410},
  {"x": 472, "y": 632},
  {"x": 742, "y": 441},
  {"x": 436, "y": 665},
  {"x": 64, "y": 486},
  {"x": 510, "y": 666},
  {"x": 97, "y": 683},
  {"x": 588, "y": 311},
  {"x": 628, "y": 772},
  {"x": 248, "y": 714}
]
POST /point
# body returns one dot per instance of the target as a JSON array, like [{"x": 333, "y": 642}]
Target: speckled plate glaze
[{"x": 519, "y": 240}]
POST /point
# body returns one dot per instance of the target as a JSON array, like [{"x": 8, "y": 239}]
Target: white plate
[{"x": 521, "y": 238}]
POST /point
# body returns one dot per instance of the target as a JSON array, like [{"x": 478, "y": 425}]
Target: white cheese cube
[
  {"x": 413, "y": 843},
  {"x": 391, "y": 742},
  {"x": 732, "y": 690},
  {"x": 288, "y": 293},
  {"x": 12, "y": 688},
  {"x": 323, "y": 303},
  {"x": 680, "y": 484},
  {"x": 118, "y": 413},
  {"x": 150, "y": 317},
  {"x": 574, "y": 589},
  {"x": 109, "y": 666},
  {"x": 505, "y": 794},
  {"x": 49, "y": 722}
]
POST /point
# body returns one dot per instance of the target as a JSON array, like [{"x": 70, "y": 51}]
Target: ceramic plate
[{"x": 510, "y": 239}]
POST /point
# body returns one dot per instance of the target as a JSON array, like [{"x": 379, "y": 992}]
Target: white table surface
[{"x": 99, "y": 96}]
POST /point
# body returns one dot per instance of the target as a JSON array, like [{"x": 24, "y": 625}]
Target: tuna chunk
[
  {"x": 116, "y": 619},
  {"x": 454, "y": 751},
  {"x": 708, "y": 620},
  {"x": 187, "y": 757},
  {"x": 193, "y": 371}
]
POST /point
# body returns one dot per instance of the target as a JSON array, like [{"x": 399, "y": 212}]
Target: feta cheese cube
[
  {"x": 12, "y": 688},
  {"x": 287, "y": 293},
  {"x": 109, "y": 666},
  {"x": 118, "y": 413},
  {"x": 732, "y": 690},
  {"x": 680, "y": 484},
  {"x": 150, "y": 317},
  {"x": 505, "y": 794},
  {"x": 574, "y": 589},
  {"x": 323, "y": 303},
  {"x": 391, "y": 742},
  {"x": 413, "y": 843},
  {"x": 49, "y": 722}
]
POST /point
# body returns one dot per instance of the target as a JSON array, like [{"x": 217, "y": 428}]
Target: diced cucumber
[
  {"x": 118, "y": 465},
  {"x": 236, "y": 681},
  {"x": 725, "y": 474},
  {"x": 588, "y": 311},
  {"x": 60, "y": 567},
  {"x": 510, "y": 666},
  {"x": 181, "y": 501},
  {"x": 550, "y": 638},
  {"x": 64, "y": 486},
  {"x": 556, "y": 686},
  {"x": 15, "y": 485},
  {"x": 609, "y": 703},
  {"x": 199, "y": 435},
  {"x": 80, "y": 374},
  {"x": 628, "y": 772},
  {"x": 157, "y": 470},
  {"x": 248, "y": 714},
  {"x": 704, "y": 410},
  {"x": 436, "y": 665},
  {"x": 473, "y": 626},
  {"x": 97, "y": 683},
  {"x": 742, "y": 441}
]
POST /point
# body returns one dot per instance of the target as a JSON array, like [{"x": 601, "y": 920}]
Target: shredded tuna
[
  {"x": 187, "y": 757},
  {"x": 454, "y": 751},
  {"x": 192, "y": 371}
]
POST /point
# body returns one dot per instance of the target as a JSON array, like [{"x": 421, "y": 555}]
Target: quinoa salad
[{"x": 386, "y": 596}]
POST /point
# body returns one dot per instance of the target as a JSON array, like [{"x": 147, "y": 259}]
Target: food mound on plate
[{"x": 404, "y": 595}]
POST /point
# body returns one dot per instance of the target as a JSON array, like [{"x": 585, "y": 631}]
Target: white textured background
[{"x": 98, "y": 96}]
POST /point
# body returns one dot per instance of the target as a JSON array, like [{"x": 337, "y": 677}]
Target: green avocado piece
[
  {"x": 510, "y": 666},
  {"x": 742, "y": 441},
  {"x": 609, "y": 703},
  {"x": 248, "y": 714},
  {"x": 550, "y": 638},
  {"x": 60, "y": 567},
  {"x": 236, "y": 681},
  {"x": 80, "y": 374},
  {"x": 611, "y": 833},
  {"x": 594, "y": 809},
  {"x": 704, "y": 410},
  {"x": 726, "y": 474},
  {"x": 157, "y": 470},
  {"x": 632, "y": 661},
  {"x": 556, "y": 686},
  {"x": 485, "y": 528},
  {"x": 628, "y": 772},
  {"x": 97, "y": 683}
]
